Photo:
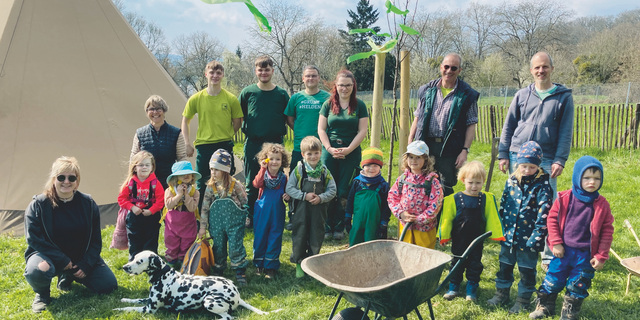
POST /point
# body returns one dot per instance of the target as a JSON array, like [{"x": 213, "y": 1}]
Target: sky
[{"x": 228, "y": 22}]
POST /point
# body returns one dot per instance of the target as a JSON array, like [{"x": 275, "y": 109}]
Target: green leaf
[
  {"x": 394, "y": 9},
  {"x": 365, "y": 30},
  {"x": 409, "y": 30},
  {"x": 262, "y": 21},
  {"x": 361, "y": 55}
]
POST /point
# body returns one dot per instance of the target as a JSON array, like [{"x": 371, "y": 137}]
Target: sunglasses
[
  {"x": 453, "y": 68},
  {"x": 71, "y": 178}
]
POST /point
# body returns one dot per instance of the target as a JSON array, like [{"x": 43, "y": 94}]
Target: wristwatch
[{"x": 466, "y": 148}]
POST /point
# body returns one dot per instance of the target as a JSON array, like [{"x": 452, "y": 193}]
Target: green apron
[{"x": 366, "y": 216}]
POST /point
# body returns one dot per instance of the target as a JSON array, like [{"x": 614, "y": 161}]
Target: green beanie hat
[{"x": 371, "y": 155}]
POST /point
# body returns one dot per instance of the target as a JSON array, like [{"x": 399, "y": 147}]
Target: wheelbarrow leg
[
  {"x": 628, "y": 282},
  {"x": 430, "y": 311},
  {"x": 335, "y": 306},
  {"x": 366, "y": 311}
]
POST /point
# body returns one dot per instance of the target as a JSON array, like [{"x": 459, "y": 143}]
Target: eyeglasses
[
  {"x": 344, "y": 85},
  {"x": 142, "y": 165},
  {"x": 71, "y": 178},
  {"x": 159, "y": 109},
  {"x": 453, "y": 68}
]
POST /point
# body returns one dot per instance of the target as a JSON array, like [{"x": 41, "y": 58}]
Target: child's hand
[
  {"x": 146, "y": 212},
  {"x": 316, "y": 199},
  {"x": 309, "y": 196},
  {"x": 264, "y": 163},
  {"x": 286, "y": 197},
  {"x": 136, "y": 210},
  {"x": 407, "y": 217},
  {"x": 558, "y": 250},
  {"x": 596, "y": 264}
]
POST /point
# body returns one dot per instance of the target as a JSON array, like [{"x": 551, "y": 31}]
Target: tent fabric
[{"x": 73, "y": 81}]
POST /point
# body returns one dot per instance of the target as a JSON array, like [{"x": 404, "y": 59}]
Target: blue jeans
[
  {"x": 546, "y": 166},
  {"x": 526, "y": 261},
  {"x": 573, "y": 270},
  {"x": 99, "y": 280}
]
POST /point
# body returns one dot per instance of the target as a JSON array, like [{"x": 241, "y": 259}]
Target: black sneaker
[
  {"x": 40, "y": 303},
  {"x": 64, "y": 282}
]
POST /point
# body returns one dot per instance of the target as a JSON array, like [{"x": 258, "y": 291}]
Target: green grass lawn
[{"x": 309, "y": 299}]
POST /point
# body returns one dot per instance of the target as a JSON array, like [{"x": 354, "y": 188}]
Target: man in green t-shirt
[
  {"x": 263, "y": 105},
  {"x": 219, "y": 118},
  {"x": 302, "y": 112}
]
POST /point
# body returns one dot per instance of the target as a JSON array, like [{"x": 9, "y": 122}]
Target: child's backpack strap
[
  {"x": 232, "y": 185},
  {"x": 133, "y": 189},
  {"x": 402, "y": 182}
]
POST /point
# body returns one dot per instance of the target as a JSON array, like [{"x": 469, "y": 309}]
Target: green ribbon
[{"x": 262, "y": 21}]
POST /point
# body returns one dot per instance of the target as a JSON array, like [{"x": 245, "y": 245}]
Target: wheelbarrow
[
  {"x": 392, "y": 287},
  {"x": 631, "y": 264}
]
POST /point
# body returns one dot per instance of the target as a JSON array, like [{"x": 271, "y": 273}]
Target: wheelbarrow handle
[{"x": 462, "y": 258}]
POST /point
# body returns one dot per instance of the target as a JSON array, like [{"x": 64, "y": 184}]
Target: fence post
[
  {"x": 635, "y": 127},
  {"x": 628, "y": 92}
]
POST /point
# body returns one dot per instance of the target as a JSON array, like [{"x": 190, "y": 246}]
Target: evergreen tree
[{"x": 365, "y": 16}]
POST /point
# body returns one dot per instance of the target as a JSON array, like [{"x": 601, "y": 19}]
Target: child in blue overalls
[
  {"x": 465, "y": 216},
  {"x": 224, "y": 212},
  {"x": 367, "y": 201},
  {"x": 269, "y": 210}
]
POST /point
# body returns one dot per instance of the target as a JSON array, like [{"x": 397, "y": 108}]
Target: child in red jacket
[
  {"x": 143, "y": 196},
  {"x": 580, "y": 227}
]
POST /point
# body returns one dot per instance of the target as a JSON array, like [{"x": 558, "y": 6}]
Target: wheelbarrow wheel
[{"x": 351, "y": 314}]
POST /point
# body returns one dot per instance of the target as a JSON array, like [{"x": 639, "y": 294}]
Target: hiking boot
[
  {"x": 259, "y": 271},
  {"x": 500, "y": 298},
  {"x": 327, "y": 236},
  {"x": 338, "y": 235},
  {"x": 40, "y": 302},
  {"x": 545, "y": 305},
  {"x": 241, "y": 279},
  {"x": 64, "y": 282},
  {"x": 472, "y": 291},
  {"x": 453, "y": 292},
  {"x": 522, "y": 304},
  {"x": 571, "y": 307},
  {"x": 270, "y": 273},
  {"x": 299, "y": 271}
]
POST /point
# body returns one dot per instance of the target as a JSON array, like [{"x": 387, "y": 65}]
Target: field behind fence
[{"x": 605, "y": 127}]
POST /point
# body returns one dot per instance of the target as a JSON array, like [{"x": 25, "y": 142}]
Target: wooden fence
[{"x": 604, "y": 127}]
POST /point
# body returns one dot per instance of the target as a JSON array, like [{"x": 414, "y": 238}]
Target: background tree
[
  {"x": 194, "y": 51},
  {"x": 365, "y": 17}
]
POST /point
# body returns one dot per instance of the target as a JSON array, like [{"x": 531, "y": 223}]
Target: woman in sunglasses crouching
[{"x": 62, "y": 227}]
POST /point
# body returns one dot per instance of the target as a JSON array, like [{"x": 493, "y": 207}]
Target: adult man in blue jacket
[{"x": 542, "y": 112}]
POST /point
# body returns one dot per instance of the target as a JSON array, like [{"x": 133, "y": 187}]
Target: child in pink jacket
[
  {"x": 580, "y": 227},
  {"x": 417, "y": 196}
]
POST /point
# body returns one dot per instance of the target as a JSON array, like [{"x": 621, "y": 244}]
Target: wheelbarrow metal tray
[
  {"x": 393, "y": 277},
  {"x": 632, "y": 265}
]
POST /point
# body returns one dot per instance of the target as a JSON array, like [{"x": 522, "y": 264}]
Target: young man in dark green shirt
[{"x": 263, "y": 105}]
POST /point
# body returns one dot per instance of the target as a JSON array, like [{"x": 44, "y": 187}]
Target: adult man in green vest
[{"x": 446, "y": 120}]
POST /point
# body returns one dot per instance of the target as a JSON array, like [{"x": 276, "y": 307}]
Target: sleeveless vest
[{"x": 162, "y": 145}]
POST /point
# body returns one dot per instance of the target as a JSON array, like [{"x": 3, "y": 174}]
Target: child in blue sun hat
[{"x": 180, "y": 214}]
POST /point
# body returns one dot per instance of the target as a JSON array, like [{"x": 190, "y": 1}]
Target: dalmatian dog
[{"x": 178, "y": 292}]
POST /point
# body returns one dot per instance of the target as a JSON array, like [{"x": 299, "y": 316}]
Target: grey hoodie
[{"x": 548, "y": 122}]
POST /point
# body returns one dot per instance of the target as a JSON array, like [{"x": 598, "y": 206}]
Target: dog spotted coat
[{"x": 178, "y": 292}]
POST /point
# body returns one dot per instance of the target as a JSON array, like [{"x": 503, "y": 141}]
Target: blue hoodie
[{"x": 579, "y": 168}]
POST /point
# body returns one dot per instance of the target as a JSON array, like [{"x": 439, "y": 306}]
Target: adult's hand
[
  {"x": 461, "y": 159},
  {"x": 190, "y": 150},
  {"x": 79, "y": 274},
  {"x": 556, "y": 170},
  {"x": 504, "y": 165}
]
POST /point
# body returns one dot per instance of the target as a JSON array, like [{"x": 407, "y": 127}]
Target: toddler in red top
[{"x": 580, "y": 227}]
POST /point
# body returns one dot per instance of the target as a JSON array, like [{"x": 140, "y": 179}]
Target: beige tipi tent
[{"x": 73, "y": 81}]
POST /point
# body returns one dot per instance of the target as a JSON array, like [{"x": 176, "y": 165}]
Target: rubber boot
[
  {"x": 500, "y": 298},
  {"x": 570, "y": 307},
  {"x": 545, "y": 305},
  {"x": 453, "y": 291},
  {"x": 299, "y": 271},
  {"x": 522, "y": 304},
  {"x": 472, "y": 291}
]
